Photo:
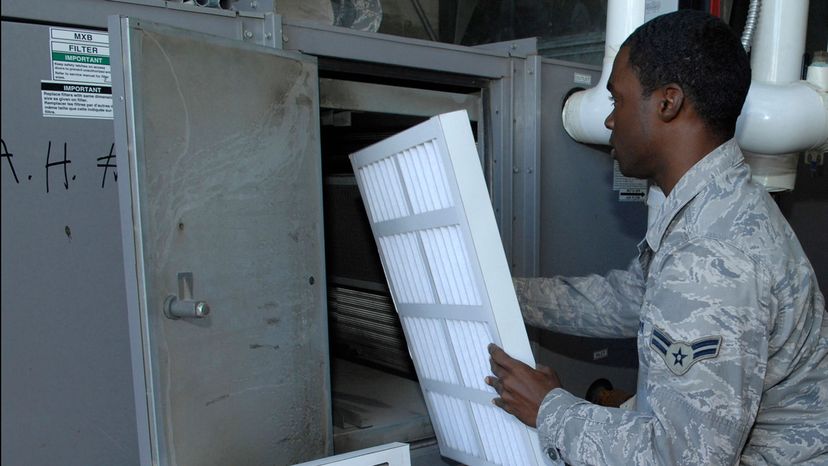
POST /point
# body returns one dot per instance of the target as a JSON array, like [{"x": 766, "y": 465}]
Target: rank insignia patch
[{"x": 680, "y": 356}]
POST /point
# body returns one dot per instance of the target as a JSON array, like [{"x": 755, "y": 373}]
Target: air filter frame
[{"x": 432, "y": 219}]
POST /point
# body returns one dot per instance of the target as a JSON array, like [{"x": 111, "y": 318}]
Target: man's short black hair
[{"x": 701, "y": 54}]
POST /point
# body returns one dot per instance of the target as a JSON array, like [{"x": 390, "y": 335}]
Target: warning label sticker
[
  {"x": 79, "y": 56},
  {"x": 81, "y": 75},
  {"x": 632, "y": 195},
  {"x": 629, "y": 189},
  {"x": 76, "y": 100}
]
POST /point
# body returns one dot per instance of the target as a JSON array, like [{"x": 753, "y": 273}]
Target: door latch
[{"x": 183, "y": 305}]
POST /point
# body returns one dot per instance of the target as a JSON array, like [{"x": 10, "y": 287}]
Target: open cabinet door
[{"x": 221, "y": 206}]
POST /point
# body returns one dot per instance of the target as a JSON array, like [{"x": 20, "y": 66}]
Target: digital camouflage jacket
[{"x": 731, "y": 329}]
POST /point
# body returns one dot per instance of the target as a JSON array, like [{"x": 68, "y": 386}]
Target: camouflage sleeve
[
  {"x": 703, "y": 346},
  {"x": 593, "y": 306}
]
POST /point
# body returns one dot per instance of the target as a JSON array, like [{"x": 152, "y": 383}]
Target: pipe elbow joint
[
  {"x": 783, "y": 118},
  {"x": 584, "y": 114}
]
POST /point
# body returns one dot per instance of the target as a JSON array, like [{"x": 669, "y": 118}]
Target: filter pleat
[{"x": 435, "y": 168}]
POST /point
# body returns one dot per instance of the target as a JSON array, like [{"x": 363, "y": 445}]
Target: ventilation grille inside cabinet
[
  {"x": 365, "y": 328},
  {"x": 439, "y": 245}
]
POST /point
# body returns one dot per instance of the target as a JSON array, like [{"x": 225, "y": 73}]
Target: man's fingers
[
  {"x": 495, "y": 383},
  {"x": 497, "y": 356},
  {"x": 520, "y": 388},
  {"x": 496, "y": 368},
  {"x": 500, "y": 403},
  {"x": 501, "y": 358},
  {"x": 496, "y": 352}
]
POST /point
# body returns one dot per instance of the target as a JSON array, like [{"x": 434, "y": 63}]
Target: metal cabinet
[{"x": 219, "y": 180}]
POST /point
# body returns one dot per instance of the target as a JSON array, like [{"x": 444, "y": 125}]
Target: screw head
[{"x": 202, "y": 309}]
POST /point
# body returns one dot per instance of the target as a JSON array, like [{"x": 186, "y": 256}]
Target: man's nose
[{"x": 610, "y": 121}]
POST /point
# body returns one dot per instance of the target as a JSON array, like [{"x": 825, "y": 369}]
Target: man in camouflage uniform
[{"x": 731, "y": 326}]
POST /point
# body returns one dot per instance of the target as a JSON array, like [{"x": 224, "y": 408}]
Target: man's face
[{"x": 630, "y": 120}]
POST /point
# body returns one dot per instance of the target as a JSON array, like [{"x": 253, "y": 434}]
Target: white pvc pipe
[
  {"x": 780, "y": 41},
  {"x": 782, "y": 115},
  {"x": 585, "y": 111},
  {"x": 782, "y": 118},
  {"x": 776, "y": 118}
]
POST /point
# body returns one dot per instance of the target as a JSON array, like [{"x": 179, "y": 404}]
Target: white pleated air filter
[{"x": 433, "y": 223}]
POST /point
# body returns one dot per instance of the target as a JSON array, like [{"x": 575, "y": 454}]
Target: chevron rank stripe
[{"x": 679, "y": 356}]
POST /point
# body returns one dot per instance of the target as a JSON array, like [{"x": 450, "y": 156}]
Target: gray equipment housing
[{"x": 85, "y": 350}]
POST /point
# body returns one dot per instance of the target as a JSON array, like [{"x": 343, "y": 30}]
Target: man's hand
[{"x": 521, "y": 388}]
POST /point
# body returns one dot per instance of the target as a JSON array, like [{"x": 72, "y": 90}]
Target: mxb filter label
[
  {"x": 81, "y": 84},
  {"x": 79, "y": 56}
]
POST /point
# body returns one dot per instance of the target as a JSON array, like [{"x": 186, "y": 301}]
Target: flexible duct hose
[{"x": 750, "y": 23}]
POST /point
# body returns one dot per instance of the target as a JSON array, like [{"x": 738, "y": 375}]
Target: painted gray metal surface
[
  {"x": 234, "y": 196},
  {"x": 514, "y": 48},
  {"x": 499, "y": 145},
  {"x": 142, "y": 363},
  {"x": 67, "y": 394},
  {"x": 259, "y": 28},
  {"x": 526, "y": 166},
  {"x": 321, "y": 40},
  {"x": 584, "y": 228}
]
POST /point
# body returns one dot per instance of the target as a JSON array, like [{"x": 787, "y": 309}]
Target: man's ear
[{"x": 671, "y": 100}]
